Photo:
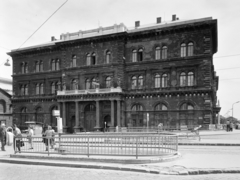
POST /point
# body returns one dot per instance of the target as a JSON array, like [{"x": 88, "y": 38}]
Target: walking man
[{"x": 3, "y": 136}]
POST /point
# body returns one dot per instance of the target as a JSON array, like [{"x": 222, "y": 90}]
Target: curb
[
  {"x": 181, "y": 172},
  {"x": 208, "y": 144},
  {"x": 102, "y": 160}
]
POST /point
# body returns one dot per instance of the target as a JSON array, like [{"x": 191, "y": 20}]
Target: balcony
[{"x": 90, "y": 91}]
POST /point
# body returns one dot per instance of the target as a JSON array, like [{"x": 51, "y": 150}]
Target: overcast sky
[{"x": 20, "y": 18}]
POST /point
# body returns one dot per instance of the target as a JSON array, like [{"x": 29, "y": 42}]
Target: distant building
[
  {"x": 5, "y": 101},
  {"x": 120, "y": 76}
]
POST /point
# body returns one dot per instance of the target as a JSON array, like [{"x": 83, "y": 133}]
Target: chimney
[
  {"x": 137, "y": 24},
  {"x": 159, "y": 20},
  {"x": 53, "y": 38},
  {"x": 174, "y": 17}
]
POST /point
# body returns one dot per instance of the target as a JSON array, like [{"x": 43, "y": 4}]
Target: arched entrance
[
  {"x": 107, "y": 121},
  {"x": 90, "y": 117}
]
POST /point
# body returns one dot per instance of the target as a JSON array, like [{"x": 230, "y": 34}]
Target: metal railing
[{"x": 104, "y": 145}]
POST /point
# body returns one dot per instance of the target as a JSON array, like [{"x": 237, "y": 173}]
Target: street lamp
[
  {"x": 232, "y": 108},
  {"x": 6, "y": 63}
]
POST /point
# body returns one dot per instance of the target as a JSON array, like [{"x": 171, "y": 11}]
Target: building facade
[
  {"x": 119, "y": 76},
  {"x": 5, "y": 102}
]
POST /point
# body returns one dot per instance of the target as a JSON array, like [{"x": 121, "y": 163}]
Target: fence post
[
  {"x": 15, "y": 145},
  {"x": 177, "y": 142},
  {"x": 88, "y": 147},
  {"x": 59, "y": 142},
  {"x": 137, "y": 147},
  {"x": 48, "y": 139}
]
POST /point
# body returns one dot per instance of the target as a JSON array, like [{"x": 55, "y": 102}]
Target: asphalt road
[
  {"x": 206, "y": 157},
  {"x": 26, "y": 172}
]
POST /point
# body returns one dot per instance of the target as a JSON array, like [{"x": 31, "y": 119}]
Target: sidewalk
[{"x": 177, "y": 165}]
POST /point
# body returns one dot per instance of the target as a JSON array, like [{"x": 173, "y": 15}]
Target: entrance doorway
[
  {"x": 90, "y": 117},
  {"x": 107, "y": 122}
]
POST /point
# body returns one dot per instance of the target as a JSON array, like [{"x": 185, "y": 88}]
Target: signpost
[{"x": 59, "y": 120}]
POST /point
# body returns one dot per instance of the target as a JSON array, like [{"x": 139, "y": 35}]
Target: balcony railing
[{"x": 90, "y": 91}]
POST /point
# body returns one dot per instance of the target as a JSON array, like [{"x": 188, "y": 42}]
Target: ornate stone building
[{"x": 120, "y": 76}]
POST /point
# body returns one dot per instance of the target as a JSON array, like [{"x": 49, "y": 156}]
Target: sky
[{"x": 20, "y": 19}]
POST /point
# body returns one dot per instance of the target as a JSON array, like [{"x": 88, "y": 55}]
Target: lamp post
[
  {"x": 232, "y": 108},
  {"x": 6, "y": 63}
]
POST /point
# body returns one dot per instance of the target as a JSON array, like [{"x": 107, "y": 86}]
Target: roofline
[{"x": 130, "y": 31}]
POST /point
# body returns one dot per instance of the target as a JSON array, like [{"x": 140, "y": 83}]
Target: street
[{"x": 26, "y": 172}]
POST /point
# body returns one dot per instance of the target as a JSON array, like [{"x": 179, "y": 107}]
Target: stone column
[
  {"x": 97, "y": 127},
  {"x": 118, "y": 113},
  {"x": 112, "y": 113},
  {"x": 123, "y": 123},
  {"x": 76, "y": 127},
  {"x": 64, "y": 118}
]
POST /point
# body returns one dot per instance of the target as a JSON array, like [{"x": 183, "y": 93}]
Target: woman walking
[
  {"x": 29, "y": 137},
  {"x": 17, "y": 138}
]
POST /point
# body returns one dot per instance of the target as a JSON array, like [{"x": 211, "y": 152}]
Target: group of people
[
  {"x": 7, "y": 137},
  {"x": 230, "y": 126},
  {"x": 15, "y": 137}
]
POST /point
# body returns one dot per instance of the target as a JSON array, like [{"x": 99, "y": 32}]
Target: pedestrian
[
  {"x": 43, "y": 133},
  {"x": 231, "y": 126},
  {"x": 3, "y": 136},
  {"x": 9, "y": 136},
  {"x": 48, "y": 137},
  {"x": 53, "y": 137},
  {"x": 17, "y": 138},
  {"x": 160, "y": 127},
  {"x": 29, "y": 137},
  {"x": 228, "y": 125}
]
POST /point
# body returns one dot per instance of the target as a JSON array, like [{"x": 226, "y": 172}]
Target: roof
[{"x": 115, "y": 29}]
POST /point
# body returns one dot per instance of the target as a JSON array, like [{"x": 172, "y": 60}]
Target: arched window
[
  {"x": 190, "y": 49},
  {"x": 137, "y": 107},
  {"x": 164, "y": 80},
  {"x": 140, "y": 55},
  {"x": 41, "y": 88},
  {"x": 53, "y": 65},
  {"x": 93, "y": 59},
  {"x": 93, "y": 84},
  {"x": 37, "y": 89},
  {"x": 57, "y": 64},
  {"x": 186, "y": 106},
  {"x": 134, "y": 55},
  {"x": 190, "y": 79},
  {"x": 108, "y": 57},
  {"x": 22, "y": 90},
  {"x": 183, "y": 79},
  {"x": 26, "y": 68},
  {"x": 157, "y": 53},
  {"x": 134, "y": 82},
  {"x": 2, "y": 106},
  {"x": 39, "y": 115},
  {"x": 73, "y": 84},
  {"x": 37, "y": 66},
  {"x": 108, "y": 82},
  {"x": 22, "y": 67},
  {"x": 183, "y": 50},
  {"x": 140, "y": 82},
  {"x": 88, "y": 60},
  {"x": 161, "y": 107},
  {"x": 87, "y": 84},
  {"x": 164, "y": 52},
  {"x": 26, "y": 89},
  {"x": 53, "y": 87},
  {"x": 41, "y": 66},
  {"x": 74, "y": 61},
  {"x": 157, "y": 81},
  {"x": 23, "y": 116}
]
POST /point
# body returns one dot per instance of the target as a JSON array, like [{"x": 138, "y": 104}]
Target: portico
[{"x": 88, "y": 110}]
